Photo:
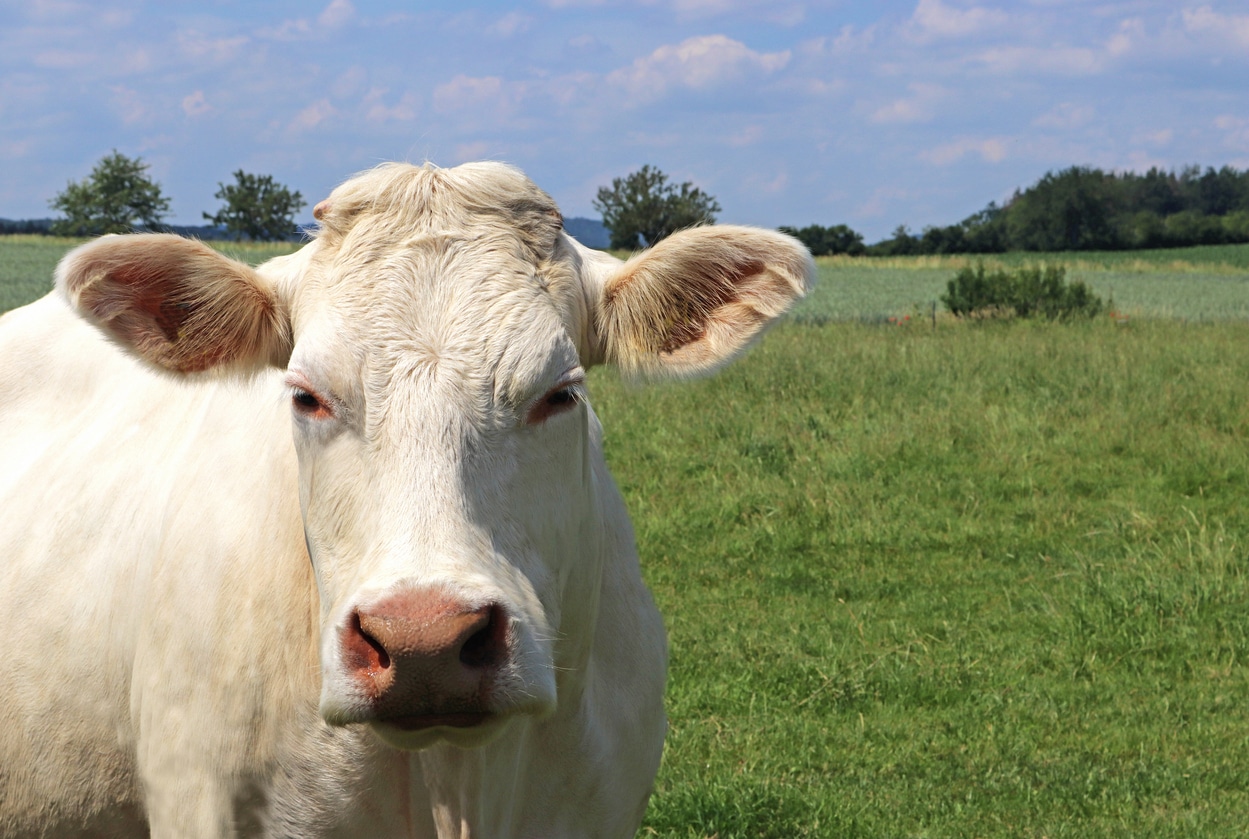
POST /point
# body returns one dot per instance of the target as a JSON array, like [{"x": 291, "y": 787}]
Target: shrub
[{"x": 1026, "y": 292}]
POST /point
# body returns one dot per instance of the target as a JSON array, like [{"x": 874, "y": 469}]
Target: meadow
[{"x": 956, "y": 579}]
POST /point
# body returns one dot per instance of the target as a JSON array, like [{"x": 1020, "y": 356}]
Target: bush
[{"x": 1027, "y": 292}]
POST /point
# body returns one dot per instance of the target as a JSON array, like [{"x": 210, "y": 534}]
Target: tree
[
  {"x": 116, "y": 197},
  {"x": 827, "y": 241},
  {"x": 257, "y": 208},
  {"x": 644, "y": 206},
  {"x": 1067, "y": 211}
]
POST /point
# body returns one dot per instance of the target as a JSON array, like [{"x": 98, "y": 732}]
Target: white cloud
[
  {"x": 748, "y": 136},
  {"x": 934, "y": 19},
  {"x": 334, "y": 16},
  {"x": 129, "y": 104},
  {"x": 195, "y": 44},
  {"x": 882, "y": 198},
  {"x": 466, "y": 152},
  {"x": 783, "y": 14},
  {"x": 991, "y": 150},
  {"x": 1235, "y": 131},
  {"x": 312, "y": 116},
  {"x": 774, "y": 185},
  {"x": 17, "y": 148},
  {"x": 464, "y": 92},
  {"x": 289, "y": 30},
  {"x": 1065, "y": 116},
  {"x": 56, "y": 10},
  {"x": 513, "y": 23},
  {"x": 376, "y": 110},
  {"x": 1204, "y": 19},
  {"x": 349, "y": 82},
  {"x": 1130, "y": 34},
  {"x": 919, "y": 107},
  {"x": 1160, "y": 137},
  {"x": 195, "y": 104},
  {"x": 59, "y": 59},
  {"x": 696, "y": 63},
  {"x": 1030, "y": 61},
  {"x": 337, "y": 14}
]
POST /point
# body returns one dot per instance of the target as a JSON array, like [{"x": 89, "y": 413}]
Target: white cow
[{"x": 338, "y": 554}]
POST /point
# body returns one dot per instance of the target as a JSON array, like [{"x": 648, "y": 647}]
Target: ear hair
[
  {"x": 176, "y": 303},
  {"x": 698, "y": 298}
]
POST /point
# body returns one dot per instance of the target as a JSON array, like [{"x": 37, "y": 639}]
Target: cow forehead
[
  {"x": 396, "y": 201},
  {"x": 432, "y": 284},
  {"x": 409, "y": 241}
]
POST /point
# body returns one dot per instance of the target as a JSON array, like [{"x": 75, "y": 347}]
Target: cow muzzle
[{"x": 425, "y": 659}]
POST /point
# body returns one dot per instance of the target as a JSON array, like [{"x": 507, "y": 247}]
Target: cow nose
[{"x": 426, "y": 658}]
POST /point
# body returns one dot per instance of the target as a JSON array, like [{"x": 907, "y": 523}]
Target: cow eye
[
  {"x": 562, "y": 398},
  {"x": 556, "y": 401},
  {"x": 308, "y": 404}
]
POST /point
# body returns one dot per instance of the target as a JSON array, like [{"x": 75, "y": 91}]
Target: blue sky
[{"x": 871, "y": 114}]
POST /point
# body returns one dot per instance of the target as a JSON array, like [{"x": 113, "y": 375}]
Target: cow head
[{"x": 435, "y": 338}]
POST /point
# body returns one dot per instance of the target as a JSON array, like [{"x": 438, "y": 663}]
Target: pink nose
[{"x": 425, "y": 658}]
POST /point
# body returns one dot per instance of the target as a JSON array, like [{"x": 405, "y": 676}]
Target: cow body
[{"x": 329, "y": 548}]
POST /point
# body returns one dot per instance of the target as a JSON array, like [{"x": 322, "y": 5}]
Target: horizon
[{"x": 872, "y": 115}]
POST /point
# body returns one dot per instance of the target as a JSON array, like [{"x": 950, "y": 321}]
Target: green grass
[{"x": 991, "y": 580}]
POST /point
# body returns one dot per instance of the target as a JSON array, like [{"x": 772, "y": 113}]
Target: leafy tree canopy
[
  {"x": 644, "y": 207},
  {"x": 827, "y": 241},
  {"x": 1083, "y": 208},
  {"x": 257, "y": 207},
  {"x": 116, "y": 197}
]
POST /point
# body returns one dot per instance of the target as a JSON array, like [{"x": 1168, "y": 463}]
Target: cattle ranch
[{"x": 929, "y": 578}]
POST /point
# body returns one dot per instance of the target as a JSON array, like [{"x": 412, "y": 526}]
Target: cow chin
[
  {"x": 412, "y": 731},
  {"x": 466, "y": 731}
]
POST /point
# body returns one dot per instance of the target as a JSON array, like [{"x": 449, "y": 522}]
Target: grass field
[
  {"x": 982, "y": 580},
  {"x": 1193, "y": 284},
  {"x": 985, "y": 581}
]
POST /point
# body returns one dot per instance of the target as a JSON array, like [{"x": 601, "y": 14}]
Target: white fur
[{"x": 171, "y": 660}]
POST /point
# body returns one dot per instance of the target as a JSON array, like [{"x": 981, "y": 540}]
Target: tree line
[
  {"x": 1085, "y": 208},
  {"x": 1080, "y": 208},
  {"x": 120, "y": 197}
]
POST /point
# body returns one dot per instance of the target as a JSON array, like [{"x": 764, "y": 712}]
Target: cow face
[{"x": 435, "y": 338}]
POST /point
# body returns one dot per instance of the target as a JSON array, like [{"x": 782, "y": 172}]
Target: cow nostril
[
  {"x": 488, "y": 645},
  {"x": 374, "y": 654}
]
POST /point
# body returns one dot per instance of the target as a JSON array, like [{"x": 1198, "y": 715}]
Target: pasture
[{"x": 981, "y": 580}]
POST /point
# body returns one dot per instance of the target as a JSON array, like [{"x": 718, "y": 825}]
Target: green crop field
[
  {"x": 972, "y": 580},
  {"x": 1210, "y": 283}
]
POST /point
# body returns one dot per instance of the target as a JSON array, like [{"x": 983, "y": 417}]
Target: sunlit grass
[{"x": 991, "y": 580}]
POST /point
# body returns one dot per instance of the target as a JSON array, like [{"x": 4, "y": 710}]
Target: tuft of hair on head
[
  {"x": 403, "y": 197},
  {"x": 176, "y": 303}
]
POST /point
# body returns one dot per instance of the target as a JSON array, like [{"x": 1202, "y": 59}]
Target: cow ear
[
  {"x": 177, "y": 303},
  {"x": 698, "y": 298}
]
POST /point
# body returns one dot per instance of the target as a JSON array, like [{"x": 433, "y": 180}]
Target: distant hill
[{"x": 589, "y": 232}]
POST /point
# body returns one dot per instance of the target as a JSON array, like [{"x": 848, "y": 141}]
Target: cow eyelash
[
  {"x": 559, "y": 399},
  {"x": 308, "y": 404}
]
